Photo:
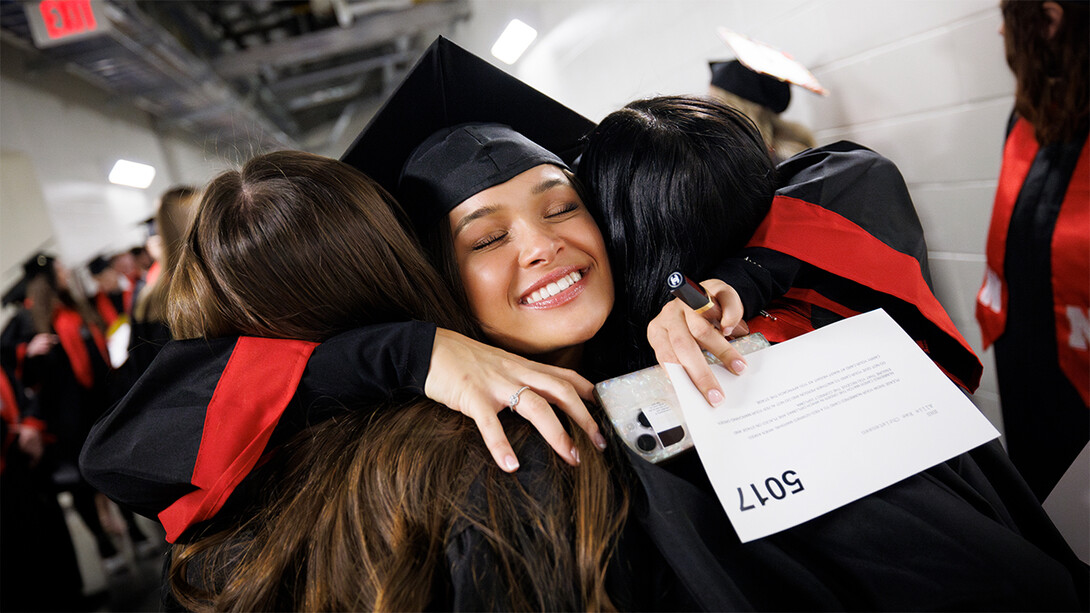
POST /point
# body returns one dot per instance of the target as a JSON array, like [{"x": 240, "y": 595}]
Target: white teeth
[{"x": 555, "y": 287}]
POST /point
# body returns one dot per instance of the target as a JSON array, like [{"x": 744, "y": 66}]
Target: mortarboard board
[
  {"x": 447, "y": 88},
  {"x": 767, "y": 60},
  {"x": 16, "y": 294},
  {"x": 736, "y": 78}
]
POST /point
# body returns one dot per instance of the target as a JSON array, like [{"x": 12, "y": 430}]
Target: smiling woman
[{"x": 539, "y": 265}]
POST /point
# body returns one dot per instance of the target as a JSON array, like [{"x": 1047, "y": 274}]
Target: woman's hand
[
  {"x": 40, "y": 344},
  {"x": 30, "y": 442},
  {"x": 678, "y": 333},
  {"x": 478, "y": 380}
]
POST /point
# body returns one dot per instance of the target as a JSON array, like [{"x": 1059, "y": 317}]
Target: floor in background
[{"x": 133, "y": 581}]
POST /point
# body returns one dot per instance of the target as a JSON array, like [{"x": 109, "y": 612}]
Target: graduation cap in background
[
  {"x": 16, "y": 294},
  {"x": 734, "y": 77},
  {"x": 97, "y": 265},
  {"x": 36, "y": 265},
  {"x": 447, "y": 88},
  {"x": 769, "y": 76}
]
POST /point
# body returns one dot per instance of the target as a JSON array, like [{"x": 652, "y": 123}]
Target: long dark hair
[
  {"x": 1052, "y": 74},
  {"x": 362, "y": 511},
  {"x": 676, "y": 183}
]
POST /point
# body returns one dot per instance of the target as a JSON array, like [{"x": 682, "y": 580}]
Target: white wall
[
  {"x": 59, "y": 138},
  {"x": 923, "y": 82}
]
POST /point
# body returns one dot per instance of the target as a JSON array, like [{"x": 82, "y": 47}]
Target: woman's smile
[{"x": 557, "y": 288}]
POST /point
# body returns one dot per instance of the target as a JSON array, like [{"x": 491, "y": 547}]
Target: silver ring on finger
[{"x": 513, "y": 401}]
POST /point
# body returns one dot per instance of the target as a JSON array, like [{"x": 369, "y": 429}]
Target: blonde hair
[{"x": 177, "y": 207}]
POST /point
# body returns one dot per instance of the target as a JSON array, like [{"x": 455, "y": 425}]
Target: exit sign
[{"x": 53, "y": 22}]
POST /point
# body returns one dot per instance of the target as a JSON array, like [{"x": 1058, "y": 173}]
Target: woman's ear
[{"x": 1055, "y": 14}]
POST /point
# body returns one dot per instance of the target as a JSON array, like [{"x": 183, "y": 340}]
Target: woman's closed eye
[
  {"x": 562, "y": 210},
  {"x": 489, "y": 240}
]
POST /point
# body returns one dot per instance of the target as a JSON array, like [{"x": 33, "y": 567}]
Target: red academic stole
[
  {"x": 9, "y": 413},
  {"x": 153, "y": 274},
  {"x": 259, "y": 381},
  {"x": 1070, "y": 253},
  {"x": 820, "y": 237},
  {"x": 106, "y": 308},
  {"x": 68, "y": 324}
]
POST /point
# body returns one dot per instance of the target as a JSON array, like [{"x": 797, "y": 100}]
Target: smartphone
[{"x": 645, "y": 410}]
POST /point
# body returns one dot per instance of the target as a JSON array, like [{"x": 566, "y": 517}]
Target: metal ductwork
[{"x": 253, "y": 74}]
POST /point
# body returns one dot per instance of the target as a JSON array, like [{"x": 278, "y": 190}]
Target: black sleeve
[
  {"x": 759, "y": 276},
  {"x": 370, "y": 363},
  {"x": 142, "y": 452}
]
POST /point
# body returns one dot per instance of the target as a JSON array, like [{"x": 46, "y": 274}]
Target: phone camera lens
[{"x": 646, "y": 442}]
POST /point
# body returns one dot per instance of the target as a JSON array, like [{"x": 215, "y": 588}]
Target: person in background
[
  {"x": 1032, "y": 305},
  {"x": 761, "y": 98},
  {"x": 114, "y": 297},
  {"x": 40, "y": 569},
  {"x": 149, "y": 329},
  {"x": 143, "y": 260},
  {"x": 133, "y": 277},
  {"x": 56, "y": 350}
]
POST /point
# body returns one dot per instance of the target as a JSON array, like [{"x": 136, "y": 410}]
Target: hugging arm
[{"x": 143, "y": 452}]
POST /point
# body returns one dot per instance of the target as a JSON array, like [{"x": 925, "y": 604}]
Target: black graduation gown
[
  {"x": 842, "y": 237},
  {"x": 964, "y": 535},
  {"x": 37, "y": 557},
  {"x": 68, "y": 401},
  {"x": 144, "y": 452}
]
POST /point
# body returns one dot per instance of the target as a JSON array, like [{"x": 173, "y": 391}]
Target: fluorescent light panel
[
  {"x": 516, "y": 37},
  {"x": 132, "y": 174}
]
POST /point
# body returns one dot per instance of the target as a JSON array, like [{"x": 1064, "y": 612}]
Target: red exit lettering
[{"x": 67, "y": 17}]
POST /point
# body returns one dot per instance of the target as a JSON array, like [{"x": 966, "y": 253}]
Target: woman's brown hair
[
  {"x": 1052, "y": 71},
  {"x": 362, "y": 511}
]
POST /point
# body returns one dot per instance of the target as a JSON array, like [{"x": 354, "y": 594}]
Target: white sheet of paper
[{"x": 824, "y": 419}]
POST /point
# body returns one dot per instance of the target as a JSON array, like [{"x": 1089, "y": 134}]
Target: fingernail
[
  {"x": 575, "y": 454},
  {"x": 599, "y": 440},
  {"x": 738, "y": 366},
  {"x": 715, "y": 397},
  {"x": 511, "y": 462}
]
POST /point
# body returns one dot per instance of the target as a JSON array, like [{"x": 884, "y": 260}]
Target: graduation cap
[
  {"x": 765, "y": 60},
  {"x": 736, "y": 78},
  {"x": 16, "y": 294},
  {"x": 37, "y": 265},
  {"x": 97, "y": 265},
  {"x": 457, "y": 125}
]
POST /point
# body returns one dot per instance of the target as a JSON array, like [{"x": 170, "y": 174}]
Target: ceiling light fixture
[
  {"x": 516, "y": 37},
  {"x": 132, "y": 174}
]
